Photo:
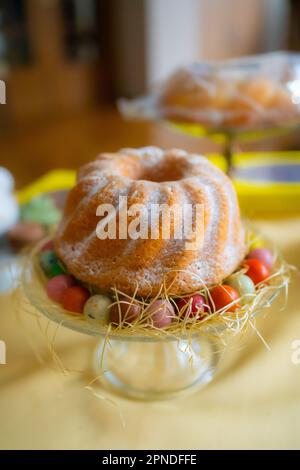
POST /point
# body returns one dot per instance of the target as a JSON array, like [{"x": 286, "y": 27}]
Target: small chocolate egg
[
  {"x": 50, "y": 264},
  {"x": 125, "y": 312},
  {"x": 160, "y": 313},
  {"x": 242, "y": 284},
  {"x": 74, "y": 299},
  {"x": 96, "y": 309},
  {"x": 57, "y": 286},
  {"x": 264, "y": 255},
  {"x": 25, "y": 233}
]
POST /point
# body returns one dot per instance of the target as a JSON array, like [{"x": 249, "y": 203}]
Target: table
[{"x": 254, "y": 401}]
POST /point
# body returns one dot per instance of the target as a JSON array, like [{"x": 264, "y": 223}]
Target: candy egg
[
  {"x": 242, "y": 284},
  {"x": 264, "y": 255},
  {"x": 223, "y": 295},
  {"x": 25, "y": 233},
  {"x": 74, "y": 298},
  {"x": 41, "y": 209},
  {"x": 160, "y": 313},
  {"x": 125, "y": 312},
  {"x": 257, "y": 243},
  {"x": 97, "y": 308},
  {"x": 57, "y": 286},
  {"x": 48, "y": 246},
  {"x": 6, "y": 181},
  {"x": 50, "y": 264},
  {"x": 256, "y": 270},
  {"x": 9, "y": 212},
  {"x": 9, "y": 273},
  {"x": 196, "y": 306}
]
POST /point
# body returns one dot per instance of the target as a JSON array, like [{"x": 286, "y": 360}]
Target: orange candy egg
[
  {"x": 256, "y": 270},
  {"x": 223, "y": 295}
]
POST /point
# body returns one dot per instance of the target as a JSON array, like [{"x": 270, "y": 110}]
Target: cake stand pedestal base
[{"x": 155, "y": 370}]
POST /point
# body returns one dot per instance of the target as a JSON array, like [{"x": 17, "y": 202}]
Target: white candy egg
[
  {"x": 9, "y": 274},
  {"x": 6, "y": 181},
  {"x": 96, "y": 308},
  {"x": 9, "y": 212}
]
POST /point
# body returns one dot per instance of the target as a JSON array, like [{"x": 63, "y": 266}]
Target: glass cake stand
[
  {"x": 231, "y": 137},
  {"x": 144, "y": 366},
  {"x": 147, "y": 366}
]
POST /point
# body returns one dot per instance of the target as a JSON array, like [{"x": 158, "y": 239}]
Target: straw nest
[{"x": 215, "y": 323}]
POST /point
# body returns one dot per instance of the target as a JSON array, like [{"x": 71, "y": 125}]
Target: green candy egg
[
  {"x": 40, "y": 209},
  {"x": 50, "y": 264},
  {"x": 243, "y": 284}
]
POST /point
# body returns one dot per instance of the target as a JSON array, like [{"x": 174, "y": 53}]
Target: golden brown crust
[{"x": 147, "y": 176}]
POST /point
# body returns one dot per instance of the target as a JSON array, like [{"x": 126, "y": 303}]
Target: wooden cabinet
[{"x": 55, "y": 64}]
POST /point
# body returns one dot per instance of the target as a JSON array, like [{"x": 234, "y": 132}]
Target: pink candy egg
[
  {"x": 262, "y": 254},
  {"x": 125, "y": 312},
  {"x": 160, "y": 313},
  {"x": 58, "y": 285},
  {"x": 196, "y": 306}
]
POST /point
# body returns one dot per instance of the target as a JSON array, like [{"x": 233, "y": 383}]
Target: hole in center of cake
[{"x": 163, "y": 172}]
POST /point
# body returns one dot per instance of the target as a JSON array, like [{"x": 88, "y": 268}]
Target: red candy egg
[
  {"x": 222, "y": 296},
  {"x": 57, "y": 286},
  {"x": 264, "y": 255},
  {"x": 196, "y": 306},
  {"x": 125, "y": 312},
  {"x": 49, "y": 245},
  {"x": 160, "y": 313},
  {"x": 74, "y": 298},
  {"x": 256, "y": 270}
]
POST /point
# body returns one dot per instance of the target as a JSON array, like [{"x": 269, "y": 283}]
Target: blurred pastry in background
[{"x": 217, "y": 98}]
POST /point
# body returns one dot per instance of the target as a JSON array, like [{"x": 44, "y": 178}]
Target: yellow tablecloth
[{"x": 254, "y": 402}]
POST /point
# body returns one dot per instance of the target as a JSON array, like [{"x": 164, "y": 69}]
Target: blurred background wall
[
  {"x": 194, "y": 30},
  {"x": 153, "y": 37},
  {"x": 64, "y": 56}
]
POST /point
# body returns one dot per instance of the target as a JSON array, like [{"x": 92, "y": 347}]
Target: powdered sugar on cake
[{"x": 151, "y": 176}]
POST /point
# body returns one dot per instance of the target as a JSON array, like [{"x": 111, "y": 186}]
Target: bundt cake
[
  {"x": 207, "y": 97},
  {"x": 142, "y": 266}
]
